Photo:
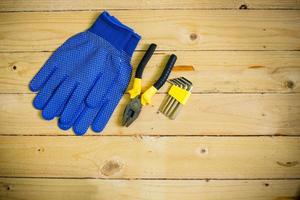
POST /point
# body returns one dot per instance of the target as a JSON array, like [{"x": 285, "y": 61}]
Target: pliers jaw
[
  {"x": 134, "y": 107},
  {"x": 131, "y": 111}
]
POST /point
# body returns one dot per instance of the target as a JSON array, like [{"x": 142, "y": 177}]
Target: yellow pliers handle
[{"x": 150, "y": 92}]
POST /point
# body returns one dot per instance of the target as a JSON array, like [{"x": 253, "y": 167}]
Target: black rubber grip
[
  {"x": 164, "y": 76},
  {"x": 144, "y": 61}
]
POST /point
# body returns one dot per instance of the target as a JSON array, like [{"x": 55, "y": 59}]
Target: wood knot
[
  {"x": 13, "y": 67},
  {"x": 289, "y": 84},
  {"x": 193, "y": 36},
  {"x": 256, "y": 66},
  {"x": 243, "y": 7},
  {"x": 7, "y": 187},
  {"x": 202, "y": 150},
  {"x": 266, "y": 184},
  {"x": 288, "y": 164},
  {"x": 41, "y": 149},
  {"x": 111, "y": 167}
]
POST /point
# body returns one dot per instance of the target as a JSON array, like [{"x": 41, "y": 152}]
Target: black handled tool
[
  {"x": 134, "y": 107},
  {"x": 168, "y": 68},
  {"x": 137, "y": 81},
  {"x": 144, "y": 61}
]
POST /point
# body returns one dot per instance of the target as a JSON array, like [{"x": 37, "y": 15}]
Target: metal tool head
[
  {"x": 188, "y": 83},
  {"x": 173, "y": 81},
  {"x": 131, "y": 111},
  {"x": 181, "y": 83},
  {"x": 173, "y": 106},
  {"x": 176, "y": 82},
  {"x": 183, "y": 78}
]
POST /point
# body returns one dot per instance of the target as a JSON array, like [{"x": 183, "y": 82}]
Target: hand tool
[
  {"x": 170, "y": 108},
  {"x": 165, "y": 105},
  {"x": 177, "y": 105},
  {"x": 177, "y": 97},
  {"x": 138, "y": 100}
]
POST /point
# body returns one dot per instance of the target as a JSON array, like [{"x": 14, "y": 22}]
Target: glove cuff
[{"x": 112, "y": 30}]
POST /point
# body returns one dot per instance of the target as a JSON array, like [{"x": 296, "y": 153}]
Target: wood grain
[
  {"x": 150, "y": 157},
  {"x": 170, "y": 29},
  {"x": 48, "y": 5},
  {"x": 204, "y": 114},
  {"x": 231, "y": 141},
  {"x": 78, "y": 189},
  {"x": 210, "y": 71}
]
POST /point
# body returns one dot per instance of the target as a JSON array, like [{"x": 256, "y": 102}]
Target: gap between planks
[
  {"x": 49, "y": 6},
  {"x": 150, "y": 179},
  {"x": 150, "y": 135}
]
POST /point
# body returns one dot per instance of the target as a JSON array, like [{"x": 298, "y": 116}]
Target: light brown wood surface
[
  {"x": 172, "y": 29},
  {"x": 150, "y": 157},
  {"x": 78, "y": 189},
  {"x": 46, "y": 5},
  {"x": 210, "y": 71},
  {"x": 205, "y": 114},
  {"x": 237, "y": 137}
]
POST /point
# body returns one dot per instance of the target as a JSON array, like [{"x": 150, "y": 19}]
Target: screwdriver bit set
[{"x": 177, "y": 97}]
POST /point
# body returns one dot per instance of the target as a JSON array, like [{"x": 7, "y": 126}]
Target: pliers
[{"x": 138, "y": 100}]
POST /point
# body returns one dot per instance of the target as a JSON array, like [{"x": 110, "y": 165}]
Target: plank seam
[
  {"x": 150, "y": 135},
  {"x": 145, "y": 9},
  {"x": 197, "y": 93},
  {"x": 171, "y": 50},
  {"x": 171, "y": 179}
]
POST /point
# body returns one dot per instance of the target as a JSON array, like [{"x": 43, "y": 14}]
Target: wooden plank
[
  {"x": 150, "y": 157},
  {"x": 78, "y": 189},
  {"x": 210, "y": 71},
  {"x": 48, "y": 5},
  {"x": 204, "y": 114},
  {"x": 170, "y": 29}
]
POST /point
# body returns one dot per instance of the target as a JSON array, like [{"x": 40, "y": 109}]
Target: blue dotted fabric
[{"x": 86, "y": 68}]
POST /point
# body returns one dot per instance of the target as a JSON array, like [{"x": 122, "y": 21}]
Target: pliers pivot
[{"x": 138, "y": 100}]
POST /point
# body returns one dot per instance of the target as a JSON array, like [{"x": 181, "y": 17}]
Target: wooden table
[{"x": 237, "y": 138}]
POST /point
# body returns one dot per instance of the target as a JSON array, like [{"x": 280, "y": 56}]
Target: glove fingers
[
  {"x": 105, "y": 113},
  {"x": 113, "y": 99},
  {"x": 40, "y": 79},
  {"x": 84, "y": 120},
  {"x": 58, "y": 99},
  {"x": 60, "y": 111},
  {"x": 64, "y": 126},
  {"x": 100, "y": 89},
  {"x": 47, "y": 91},
  {"x": 73, "y": 104}
]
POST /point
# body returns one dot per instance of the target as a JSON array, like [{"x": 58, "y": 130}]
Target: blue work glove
[
  {"x": 90, "y": 62},
  {"x": 99, "y": 116}
]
